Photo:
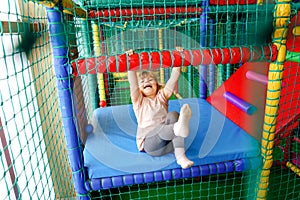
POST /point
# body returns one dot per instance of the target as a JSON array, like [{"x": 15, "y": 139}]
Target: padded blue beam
[
  {"x": 171, "y": 174},
  {"x": 64, "y": 82}
]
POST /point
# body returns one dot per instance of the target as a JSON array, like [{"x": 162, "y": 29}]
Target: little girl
[{"x": 159, "y": 132}]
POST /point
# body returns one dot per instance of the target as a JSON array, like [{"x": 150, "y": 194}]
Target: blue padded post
[
  {"x": 64, "y": 83},
  {"x": 212, "y": 32},
  {"x": 203, "y": 43}
]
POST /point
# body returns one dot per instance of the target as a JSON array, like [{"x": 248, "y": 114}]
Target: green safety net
[
  {"x": 33, "y": 156},
  {"x": 34, "y": 162}
]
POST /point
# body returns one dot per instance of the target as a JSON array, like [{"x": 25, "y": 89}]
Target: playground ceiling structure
[{"x": 67, "y": 126}]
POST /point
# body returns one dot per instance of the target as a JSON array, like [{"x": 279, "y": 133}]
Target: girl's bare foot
[{"x": 181, "y": 127}]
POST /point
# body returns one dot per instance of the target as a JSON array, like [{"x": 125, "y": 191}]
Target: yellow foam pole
[
  {"x": 282, "y": 16},
  {"x": 178, "y": 96},
  {"x": 260, "y": 2},
  {"x": 161, "y": 47},
  {"x": 100, "y": 77},
  {"x": 293, "y": 167},
  {"x": 296, "y": 31}
]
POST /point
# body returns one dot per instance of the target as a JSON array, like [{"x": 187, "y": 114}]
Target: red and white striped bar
[
  {"x": 144, "y": 12},
  {"x": 166, "y": 59}
]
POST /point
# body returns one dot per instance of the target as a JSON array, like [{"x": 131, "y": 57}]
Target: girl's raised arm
[
  {"x": 133, "y": 82},
  {"x": 171, "y": 83},
  {"x": 134, "y": 86}
]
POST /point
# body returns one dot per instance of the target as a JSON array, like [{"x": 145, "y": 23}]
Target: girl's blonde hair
[{"x": 146, "y": 73}]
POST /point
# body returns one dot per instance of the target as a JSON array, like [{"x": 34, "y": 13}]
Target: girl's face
[{"x": 148, "y": 85}]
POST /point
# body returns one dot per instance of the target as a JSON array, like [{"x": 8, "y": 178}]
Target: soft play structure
[{"x": 67, "y": 125}]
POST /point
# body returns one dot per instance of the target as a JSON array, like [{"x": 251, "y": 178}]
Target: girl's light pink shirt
[{"x": 149, "y": 113}]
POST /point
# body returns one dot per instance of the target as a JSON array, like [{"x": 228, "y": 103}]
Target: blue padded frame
[
  {"x": 173, "y": 174},
  {"x": 64, "y": 84}
]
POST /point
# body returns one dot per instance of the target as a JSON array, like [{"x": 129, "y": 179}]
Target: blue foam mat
[{"x": 111, "y": 149}]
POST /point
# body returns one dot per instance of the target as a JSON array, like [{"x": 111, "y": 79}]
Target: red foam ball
[{"x": 102, "y": 103}]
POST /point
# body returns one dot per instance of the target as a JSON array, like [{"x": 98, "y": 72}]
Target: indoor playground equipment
[{"x": 67, "y": 126}]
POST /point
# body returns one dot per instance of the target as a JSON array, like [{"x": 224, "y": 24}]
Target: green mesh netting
[
  {"x": 33, "y": 158},
  {"x": 34, "y": 161}
]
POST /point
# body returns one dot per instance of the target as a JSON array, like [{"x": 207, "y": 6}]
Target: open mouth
[{"x": 147, "y": 86}]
